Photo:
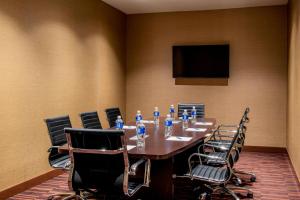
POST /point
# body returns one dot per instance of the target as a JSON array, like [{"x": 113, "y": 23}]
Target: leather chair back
[
  {"x": 234, "y": 141},
  {"x": 58, "y": 137},
  {"x": 96, "y": 166},
  {"x": 112, "y": 115},
  {"x": 200, "y": 108},
  {"x": 90, "y": 120}
]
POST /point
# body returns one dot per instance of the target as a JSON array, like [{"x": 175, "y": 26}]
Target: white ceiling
[{"x": 152, "y": 6}]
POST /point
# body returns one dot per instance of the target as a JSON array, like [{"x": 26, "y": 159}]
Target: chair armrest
[
  {"x": 205, "y": 156},
  {"x": 53, "y": 147},
  {"x": 216, "y": 146},
  {"x": 218, "y": 133},
  {"x": 221, "y": 147},
  {"x": 226, "y": 136},
  {"x": 226, "y": 131},
  {"x": 135, "y": 166},
  {"x": 208, "y": 156},
  {"x": 216, "y": 142},
  {"x": 229, "y": 126}
]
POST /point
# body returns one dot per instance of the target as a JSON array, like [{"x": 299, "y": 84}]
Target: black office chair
[
  {"x": 220, "y": 150},
  {"x": 200, "y": 108},
  {"x": 214, "y": 178},
  {"x": 90, "y": 120},
  {"x": 229, "y": 130},
  {"x": 112, "y": 115},
  {"x": 221, "y": 139},
  {"x": 102, "y": 171},
  {"x": 222, "y": 136},
  {"x": 58, "y": 138}
]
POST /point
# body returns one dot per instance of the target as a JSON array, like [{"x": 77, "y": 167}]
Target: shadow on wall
[
  {"x": 54, "y": 37},
  {"x": 82, "y": 23},
  {"x": 57, "y": 57},
  {"x": 71, "y": 13}
]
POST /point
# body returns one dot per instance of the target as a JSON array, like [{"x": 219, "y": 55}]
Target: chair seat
[
  {"x": 210, "y": 173},
  {"x": 61, "y": 163}
]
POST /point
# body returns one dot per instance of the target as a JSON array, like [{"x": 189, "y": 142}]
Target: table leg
[{"x": 161, "y": 179}]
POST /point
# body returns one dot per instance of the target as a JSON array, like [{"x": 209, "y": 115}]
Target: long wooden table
[{"x": 167, "y": 157}]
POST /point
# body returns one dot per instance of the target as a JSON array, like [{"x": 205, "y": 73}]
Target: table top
[{"x": 157, "y": 146}]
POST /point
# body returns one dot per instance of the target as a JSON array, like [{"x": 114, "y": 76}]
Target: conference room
[{"x": 164, "y": 100}]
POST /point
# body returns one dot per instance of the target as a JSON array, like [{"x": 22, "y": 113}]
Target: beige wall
[
  {"x": 56, "y": 57},
  {"x": 258, "y": 66},
  {"x": 293, "y": 133}
]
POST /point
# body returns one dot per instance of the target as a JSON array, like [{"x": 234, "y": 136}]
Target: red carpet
[{"x": 276, "y": 179}]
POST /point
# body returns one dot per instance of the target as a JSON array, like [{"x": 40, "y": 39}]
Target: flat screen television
[{"x": 206, "y": 61}]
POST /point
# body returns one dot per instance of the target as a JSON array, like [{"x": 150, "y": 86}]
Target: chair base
[
  {"x": 61, "y": 196},
  {"x": 76, "y": 197},
  {"x": 208, "y": 195},
  {"x": 251, "y": 174},
  {"x": 69, "y": 196},
  {"x": 229, "y": 189}
]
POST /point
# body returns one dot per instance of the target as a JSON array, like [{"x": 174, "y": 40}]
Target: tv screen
[{"x": 207, "y": 61}]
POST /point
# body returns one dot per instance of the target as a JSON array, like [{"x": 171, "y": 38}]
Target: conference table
[{"x": 168, "y": 155}]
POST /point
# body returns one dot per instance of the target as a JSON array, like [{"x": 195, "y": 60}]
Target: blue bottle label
[
  {"x": 168, "y": 123},
  {"x": 138, "y": 118},
  {"x": 141, "y": 130},
  {"x": 156, "y": 114},
  {"x": 172, "y": 110},
  {"x": 193, "y": 113},
  {"x": 120, "y": 125},
  {"x": 185, "y": 117}
]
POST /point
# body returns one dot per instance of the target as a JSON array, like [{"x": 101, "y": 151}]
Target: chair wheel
[
  {"x": 205, "y": 196},
  {"x": 253, "y": 178},
  {"x": 222, "y": 194},
  {"x": 250, "y": 195},
  {"x": 52, "y": 197},
  {"x": 237, "y": 182}
]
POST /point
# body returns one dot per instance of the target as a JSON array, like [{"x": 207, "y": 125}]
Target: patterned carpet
[{"x": 276, "y": 179}]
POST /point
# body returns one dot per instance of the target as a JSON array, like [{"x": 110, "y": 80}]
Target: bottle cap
[
  {"x": 119, "y": 117},
  {"x": 168, "y": 115},
  {"x": 185, "y": 110},
  {"x": 194, "y": 107},
  {"x": 172, "y": 106},
  {"x": 156, "y": 108},
  {"x": 138, "y": 112}
]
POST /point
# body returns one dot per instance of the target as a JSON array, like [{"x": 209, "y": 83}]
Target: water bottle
[
  {"x": 168, "y": 126},
  {"x": 119, "y": 123},
  {"x": 138, "y": 116},
  {"x": 194, "y": 114},
  {"x": 185, "y": 119},
  {"x": 140, "y": 134},
  {"x": 156, "y": 116},
  {"x": 172, "y": 112}
]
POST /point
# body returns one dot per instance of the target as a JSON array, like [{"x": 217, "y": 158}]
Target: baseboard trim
[
  {"x": 28, "y": 184},
  {"x": 265, "y": 149}
]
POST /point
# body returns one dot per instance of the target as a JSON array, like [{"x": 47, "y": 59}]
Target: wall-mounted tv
[{"x": 206, "y": 61}]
